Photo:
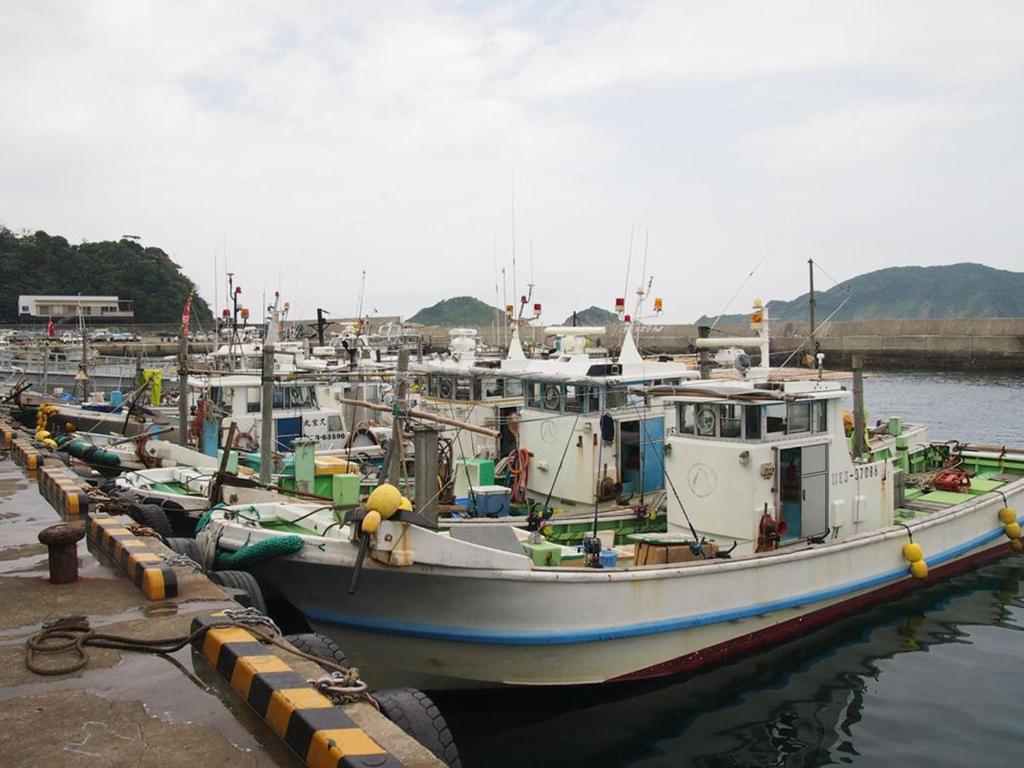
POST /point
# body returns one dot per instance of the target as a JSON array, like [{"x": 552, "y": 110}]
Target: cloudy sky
[{"x": 318, "y": 140}]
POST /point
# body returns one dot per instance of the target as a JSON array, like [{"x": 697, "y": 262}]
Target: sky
[{"x": 306, "y": 142}]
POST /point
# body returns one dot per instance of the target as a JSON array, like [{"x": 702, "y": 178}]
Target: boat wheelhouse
[
  {"x": 739, "y": 451},
  {"x": 300, "y": 409}
]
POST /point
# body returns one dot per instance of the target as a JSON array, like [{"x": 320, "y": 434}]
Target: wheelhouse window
[
  {"x": 799, "y": 418},
  {"x": 217, "y": 396},
  {"x": 533, "y": 394},
  {"x": 820, "y": 416},
  {"x": 614, "y": 398},
  {"x": 294, "y": 397},
  {"x": 752, "y": 422},
  {"x": 775, "y": 419},
  {"x": 252, "y": 399},
  {"x": 574, "y": 398},
  {"x": 686, "y": 417},
  {"x": 490, "y": 387},
  {"x": 580, "y": 398},
  {"x": 730, "y": 424},
  {"x": 463, "y": 389},
  {"x": 513, "y": 388}
]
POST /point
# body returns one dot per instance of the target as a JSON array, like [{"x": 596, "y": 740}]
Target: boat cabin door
[
  {"x": 641, "y": 456},
  {"x": 803, "y": 490}
]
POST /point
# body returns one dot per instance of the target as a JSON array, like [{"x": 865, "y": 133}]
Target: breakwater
[{"x": 955, "y": 344}]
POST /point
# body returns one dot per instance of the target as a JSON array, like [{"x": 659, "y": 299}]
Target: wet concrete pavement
[{"x": 124, "y": 709}]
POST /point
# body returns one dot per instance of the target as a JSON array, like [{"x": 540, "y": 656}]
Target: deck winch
[{"x": 953, "y": 480}]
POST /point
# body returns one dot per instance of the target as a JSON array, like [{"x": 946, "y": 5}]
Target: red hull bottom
[{"x": 801, "y": 625}]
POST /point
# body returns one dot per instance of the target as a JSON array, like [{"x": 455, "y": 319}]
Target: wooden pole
[
  {"x": 813, "y": 304},
  {"x": 425, "y": 415},
  {"x": 267, "y": 414},
  {"x": 397, "y": 417},
  {"x": 183, "y": 389},
  {"x": 859, "y": 444}
]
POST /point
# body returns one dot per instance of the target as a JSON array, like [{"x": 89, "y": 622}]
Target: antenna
[
  {"x": 359, "y": 302},
  {"x": 629, "y": 259},
  {"x": 514, "y": 289},
  {"x": 640, "y": 293},
  {"x": 497, "y": 298}
]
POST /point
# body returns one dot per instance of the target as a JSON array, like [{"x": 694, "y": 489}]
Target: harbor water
[{"x": 932, "y": 679}]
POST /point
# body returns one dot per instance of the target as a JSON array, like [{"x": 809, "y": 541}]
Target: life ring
[
  {"x": 519, "y": 467},
  {"x": 196, "y": 428},
  {"x": 362, "y": 430},
  {"x": 444, "y": 388},
  {"x": 245, "y": 442}
]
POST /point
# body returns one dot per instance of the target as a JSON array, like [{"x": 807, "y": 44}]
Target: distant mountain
[
  {"x": 461, "y": 310},
  {"x": 593, "y": 315},
  {"x": 954, "y": 290}
]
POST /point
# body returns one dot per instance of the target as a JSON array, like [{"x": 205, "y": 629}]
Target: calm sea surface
[{"x": 935, "y": 679}]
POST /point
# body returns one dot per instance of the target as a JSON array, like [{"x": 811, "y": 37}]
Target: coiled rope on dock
[{"x": 71, "y": 635}]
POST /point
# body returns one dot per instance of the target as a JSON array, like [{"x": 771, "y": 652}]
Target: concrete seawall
[{"x": 959, "y": 344}]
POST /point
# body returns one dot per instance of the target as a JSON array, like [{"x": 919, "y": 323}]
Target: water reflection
[{"x": 809, "y": 702}]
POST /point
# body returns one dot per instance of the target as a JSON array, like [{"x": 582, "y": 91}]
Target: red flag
[
  {"x": 50, "y": 330},
  {"x": 186, "y": 314}
]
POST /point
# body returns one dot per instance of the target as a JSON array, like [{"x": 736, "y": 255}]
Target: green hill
[
  {"x": 461, "y": 310},
  {"x": 954, "y": 290},
  {"x": 593, "y": 315},
  {"x": 47, "y": 264}
]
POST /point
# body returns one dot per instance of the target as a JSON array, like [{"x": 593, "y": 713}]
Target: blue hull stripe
[{"x": 490, "y": 637}]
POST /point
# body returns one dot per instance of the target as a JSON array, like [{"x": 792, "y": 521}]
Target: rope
[{"x": 73, "y": 634}]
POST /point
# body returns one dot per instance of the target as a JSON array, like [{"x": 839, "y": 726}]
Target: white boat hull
[{"x": 439, "y": 626}]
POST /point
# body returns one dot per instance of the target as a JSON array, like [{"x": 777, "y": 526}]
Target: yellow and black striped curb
[
  {"x": 65, "y": 491},
  {"x": 309, "y": 723},
  {"x": 24, "y": 454},
  {"x": 146, "y": 568}
]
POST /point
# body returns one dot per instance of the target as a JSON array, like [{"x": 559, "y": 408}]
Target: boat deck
[{"x": 921, "y": 500}]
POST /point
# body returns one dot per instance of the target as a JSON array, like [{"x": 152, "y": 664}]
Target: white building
[{"x": 93, "y": 307}]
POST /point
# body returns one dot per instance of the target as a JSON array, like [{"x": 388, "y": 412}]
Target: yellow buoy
[
  {"x": 405, "y": 505},
  {"x": 1016, "y": 545},
  {"x": 1007, "y": 516},
  {"x": 42, "y": 435},
  {"x": 371, "y": 522},
  {"x": 50, "y": 443},
  {"x": 384, "y": 499},
  {"x": 1012, "y": 530},
  {"x": 69, "y": 427},
  {"x": 912, "y": 552},
  {"x": 919, "y": 569}
]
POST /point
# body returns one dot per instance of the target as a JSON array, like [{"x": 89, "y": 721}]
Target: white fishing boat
[{"x": 778, "y": 525}]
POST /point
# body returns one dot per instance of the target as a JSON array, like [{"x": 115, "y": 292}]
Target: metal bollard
[{"x": 62, "y": 542}]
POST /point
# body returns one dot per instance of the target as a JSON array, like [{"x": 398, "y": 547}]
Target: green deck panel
[
  {"x": 945, "y": 497},
  {"x": 175, "y": 488},
  {"x": 283, "y": 527},
  {"x": 913, "y": 493},
  {"x": 979, "y": 485}
]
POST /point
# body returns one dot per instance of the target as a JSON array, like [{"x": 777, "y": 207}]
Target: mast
[
  {"x": 83, "y": 366},
  {"x": 812, "y": 304}
]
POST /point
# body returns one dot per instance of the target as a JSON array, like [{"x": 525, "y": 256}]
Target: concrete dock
[{"x": 128, "y": 708}]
